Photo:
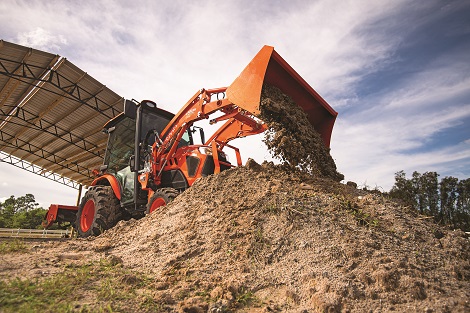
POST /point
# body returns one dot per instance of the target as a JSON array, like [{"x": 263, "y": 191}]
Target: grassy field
[{"x": 103, "y": 286}]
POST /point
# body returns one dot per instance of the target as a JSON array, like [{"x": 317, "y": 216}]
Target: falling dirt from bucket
[{"x": 291, "y": 138}]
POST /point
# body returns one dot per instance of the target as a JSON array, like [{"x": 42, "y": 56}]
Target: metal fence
[{"x": 34, "y": 233}]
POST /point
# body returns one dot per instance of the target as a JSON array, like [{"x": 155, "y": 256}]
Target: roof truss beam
[
  {"x": 45, "y": 155},
  {"x": 9, "y": 159},
  {"x": 48, "y": 127},
  {"x": 72, "y": 89}
]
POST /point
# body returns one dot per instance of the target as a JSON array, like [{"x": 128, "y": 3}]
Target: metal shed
[{"x": 51, "y": 115}]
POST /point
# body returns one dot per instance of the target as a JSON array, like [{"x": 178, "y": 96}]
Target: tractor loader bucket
[{"x": 268, "y": 67}]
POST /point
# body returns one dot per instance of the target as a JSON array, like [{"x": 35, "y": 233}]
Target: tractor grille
[
  {"x": 174, "y": 179},
  {"x": 209, "y": 165},
  {"x": 192, "y": 163}
]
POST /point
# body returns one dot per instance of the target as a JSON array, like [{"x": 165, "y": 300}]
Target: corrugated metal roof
[{"x": 51, "y": 115}]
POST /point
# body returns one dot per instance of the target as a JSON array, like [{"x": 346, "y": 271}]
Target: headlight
[
  {"x": 205, "y": 150},
  {"x": 208, "y": 151}
]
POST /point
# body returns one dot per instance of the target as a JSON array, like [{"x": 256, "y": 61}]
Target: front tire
[
  {"x": 99, "y": 210},
  {"x": 160, "y": 198}
]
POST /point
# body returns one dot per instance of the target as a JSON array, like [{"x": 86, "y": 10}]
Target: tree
[
  {"x": 22, "y": 212},
  {"x": 430, "y": 189},
  {"x": 403, "y": 189},
  {"x": 24, "y": 203},
  {"x": 7, "y": 212},
  {"x": 418, "y": 192},
  {"x": 448, "y": 198},
  {"x": 463, "y": 204},
  {"x": 448, "y": 201}
]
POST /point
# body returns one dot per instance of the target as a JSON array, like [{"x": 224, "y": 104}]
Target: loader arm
[
  {"x": 233, "y": 129},
  {"x": 239, "y": 123}
]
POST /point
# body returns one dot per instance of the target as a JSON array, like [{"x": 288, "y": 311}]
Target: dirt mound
[
  {"x": 291, "y": 138},
  {"x": 256, "y": 238}
]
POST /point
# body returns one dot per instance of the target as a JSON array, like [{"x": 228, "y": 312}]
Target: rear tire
[
  {"x": 99, "y": 210},
  {"x": 160, "y": 198}
]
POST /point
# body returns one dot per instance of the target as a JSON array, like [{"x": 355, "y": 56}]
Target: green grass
[
  {"x": 52, "y": 294},
  {"x": 246, "y": 298},
  {"x": 105, "y": 286},
  {"x": 10, "y": 246},
  {"x": 94, "y": 287},
  {"x": 363, "y": 218}
]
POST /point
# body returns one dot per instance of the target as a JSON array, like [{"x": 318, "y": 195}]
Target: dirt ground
[{"x": 258, "y": 239}]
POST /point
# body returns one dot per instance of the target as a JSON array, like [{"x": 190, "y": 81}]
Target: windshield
[
  {"x": 154, "y": 121},
  {"x": 121, "y": 138},
  {"x": 120, "y": 145}
]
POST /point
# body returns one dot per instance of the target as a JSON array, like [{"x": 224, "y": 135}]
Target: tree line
[
  {"x": 21, "y": 212},
  {"x": 447, "y": 200}
]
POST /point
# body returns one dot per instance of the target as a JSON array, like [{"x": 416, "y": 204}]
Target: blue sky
[{"x": 398, "y": 72}]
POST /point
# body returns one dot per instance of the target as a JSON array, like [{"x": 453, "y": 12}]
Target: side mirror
[
  {"x": 203, "y": 137},
  {"x": 132, "y": 163},
  {"x": 201, "y": 133}
]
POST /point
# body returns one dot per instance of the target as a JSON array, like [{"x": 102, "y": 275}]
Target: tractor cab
[{"x": 123, "y": 136}]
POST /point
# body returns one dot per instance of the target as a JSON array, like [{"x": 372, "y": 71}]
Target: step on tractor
[{"x": 151, "y": 155}]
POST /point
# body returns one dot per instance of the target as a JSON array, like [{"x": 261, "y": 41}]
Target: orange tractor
[{"x": 151, "y": 156}]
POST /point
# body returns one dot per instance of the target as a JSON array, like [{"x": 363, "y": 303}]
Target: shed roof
[{"x": 51, "y": 115}]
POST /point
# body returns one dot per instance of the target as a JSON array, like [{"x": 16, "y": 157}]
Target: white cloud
[
  {"x": 430, "y": 87},
  {"x": 41, "y": 39},
  {"x": 375, "y": 143},
  {"x": 168, "y": 50},
  {"x": 46, "y": 192},
  {"x": 328, "y": 43}
]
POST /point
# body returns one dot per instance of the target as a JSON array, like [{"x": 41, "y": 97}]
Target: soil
[
  {"x": 260, "y": 239},
  {"x": 291, "y": 138}
]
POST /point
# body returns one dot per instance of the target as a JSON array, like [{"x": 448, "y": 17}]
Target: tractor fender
[{"x": 112, "y": 181}]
